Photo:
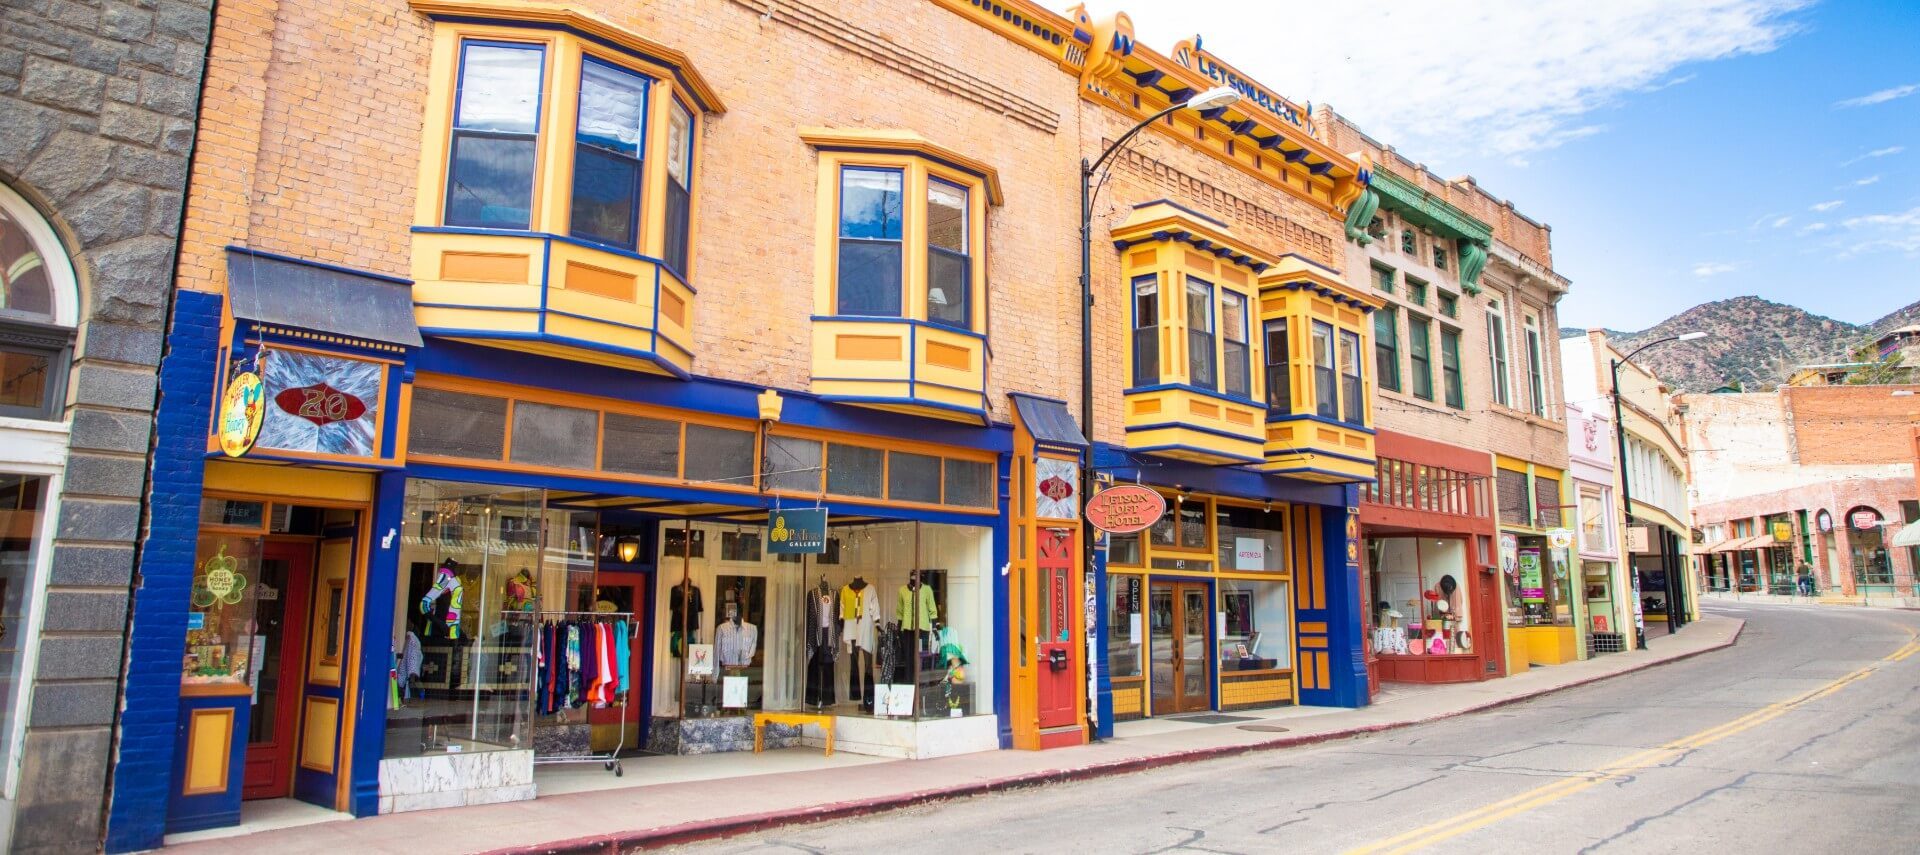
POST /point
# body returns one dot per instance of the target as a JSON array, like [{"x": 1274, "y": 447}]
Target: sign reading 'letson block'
[{"x": 797, "y": 532}]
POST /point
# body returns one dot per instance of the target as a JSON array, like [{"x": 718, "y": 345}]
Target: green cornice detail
[
  {"x": 1428, "y": 211},
  {"x": 1359, "y": 214}
]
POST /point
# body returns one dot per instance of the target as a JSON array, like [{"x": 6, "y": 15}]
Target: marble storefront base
[
  {"x": 876, "y": 737},
  {"x": 714, "y": 735},
  {"x": 455, "y": 780}
]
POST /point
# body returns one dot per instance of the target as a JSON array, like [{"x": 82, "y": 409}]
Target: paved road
[{"x": 1804, "y": 737}]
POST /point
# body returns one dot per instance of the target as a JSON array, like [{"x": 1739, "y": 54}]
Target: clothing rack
[{"x": 610, "y": 758}]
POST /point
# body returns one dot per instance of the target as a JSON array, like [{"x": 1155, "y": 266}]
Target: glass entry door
[{"x": 1182, "y": 674}]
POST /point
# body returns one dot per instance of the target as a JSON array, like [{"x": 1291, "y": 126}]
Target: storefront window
[
  {"x": 1123, "y": 549},
  {"x": 1256, "y": 634},
  {"x": 1251, "y": 540},
  {"x": 1423, "y": 603},
  {"x": 472, "y": 566},
  {"x": 1183, "y": 526},
  {"x": 1124, "y": 625},
  {"x": 221, "y": 630},
  {"x": 1871, "y": 563},
  {"x": 906, "y": 605},
  {"x": 22, "y": 502},
  {"x": 1539, "y": 591}
]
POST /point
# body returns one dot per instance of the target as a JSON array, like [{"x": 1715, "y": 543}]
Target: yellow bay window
[
  {"x": 1319, "y": 420},
  {"x": 900, "y": 309},
  {"x": 555, "y": 212}
]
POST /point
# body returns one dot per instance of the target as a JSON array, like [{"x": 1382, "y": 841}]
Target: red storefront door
[{"x": 1057, "y": 654}]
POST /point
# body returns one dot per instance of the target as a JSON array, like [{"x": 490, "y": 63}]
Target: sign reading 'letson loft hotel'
[{"x": 1125, "y": 509}]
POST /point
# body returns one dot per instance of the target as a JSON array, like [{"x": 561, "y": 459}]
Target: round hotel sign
[
  {"x": 1864, "y": 519},
  {"x": 1125, "y": 508},
  {"x": 242, "y": 409},
  {"x": 1823, "y": 520}
]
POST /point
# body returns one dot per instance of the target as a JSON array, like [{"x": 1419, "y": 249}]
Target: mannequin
[
  {"x": 520, "y": 592},
  {"x": 683, "y": 600},
  {"x": 918, "y": 615},
  {"x": 736, "y": 640},
  {"x": 859, "y": 619},
  {"x": 823, "y": 636},
  {"x": 446, "y": 580}
]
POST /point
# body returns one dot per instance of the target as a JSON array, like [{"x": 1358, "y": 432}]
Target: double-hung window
[
  {"x": 1236, "y": 371},
  {"x": 1420, "y": 356},
  {"x": 679, "y": 225},
  {"x": 1497, "y": 357},
  {"x": 1536, "y": 385},
  {"x": 1416, "y": 291},
  {"x": 1326, "y": 390},
  {"x": 1146, "y": 330},
  {"x": 1386, "y": 348},
  {"x": 1353, "y": 411},
  {"x": 949, "y": 269},
  {"x": 1450, "y": 367},
  {"x": 496, "y": 124},
  {"x": 1383, "y": 278},
  {"x": 870, "y": 242},
  {"x": 1279, "y": 373},
  {"x": 1200, "y": 358},
  {"x": 609, "y": 142}
]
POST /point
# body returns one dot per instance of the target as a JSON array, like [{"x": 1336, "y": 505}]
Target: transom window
[{"x": 39, "y": 302}]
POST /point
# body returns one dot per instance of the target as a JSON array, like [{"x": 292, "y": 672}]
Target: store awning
[
  {"x": 1725, "y": 545},
  {"x": 314, "y": 297},
  {"x": 1741, "y": 544},
  {"x": 1909, "y": 536},
  {"x": 1049, "y": 421}
]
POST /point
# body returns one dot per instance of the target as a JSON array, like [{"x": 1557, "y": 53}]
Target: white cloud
[
  {"x": 1899, "y": 232},
  {"x": 1707, "y": 269},
  {"x": 1878, "y": 152},
  {"x": 1781, "y": 222},
  {"x": 1880, "y": 97},
  {"x": 1824, "y": 207},
  {"x": 1811, "y": 228},
  {"x": 1871, "y": 179},
  {"x": 1443, "y": 80}
]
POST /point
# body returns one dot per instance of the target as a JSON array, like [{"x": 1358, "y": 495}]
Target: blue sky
[{"x": 1682, "y": 150}]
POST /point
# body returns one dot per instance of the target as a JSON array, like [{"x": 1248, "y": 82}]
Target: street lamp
[
  {"x": 1626, "y": 494},
  {"x": 1211, "y": 99}
]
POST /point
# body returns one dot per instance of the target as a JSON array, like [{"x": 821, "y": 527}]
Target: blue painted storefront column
[
  {"x": 157, "y": 640},
  {"x": 376, "y": 627},
  {"x": 1347, "y": 658},
  {"x": 1103, "y": 729}
]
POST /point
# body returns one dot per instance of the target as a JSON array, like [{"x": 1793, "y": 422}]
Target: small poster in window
[
  {"x": 733, "y": 692},
  {"x": 699, "y": 660},
  {"x": 895, "y": 699},
  {"x": 1249, "y": 553}
]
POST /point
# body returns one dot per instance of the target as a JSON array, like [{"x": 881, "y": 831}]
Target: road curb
[{"x": 691, "y": 832}]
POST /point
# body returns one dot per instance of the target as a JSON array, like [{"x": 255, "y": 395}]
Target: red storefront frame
[{"x": 1392, "y": 508}]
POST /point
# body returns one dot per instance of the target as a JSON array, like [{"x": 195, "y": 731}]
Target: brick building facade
[
  {"x": 97, "y": 110},
  {"x": 1833, "y": 463}
]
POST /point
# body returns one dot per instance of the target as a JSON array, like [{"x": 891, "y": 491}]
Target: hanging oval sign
[
  {"x": 241, "y": 410},
  {"x": 321, "y": 404},
  {"x": 1125, "y": 508}
]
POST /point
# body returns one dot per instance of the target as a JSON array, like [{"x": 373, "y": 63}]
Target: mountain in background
[{"x": 1753, "y": 342}]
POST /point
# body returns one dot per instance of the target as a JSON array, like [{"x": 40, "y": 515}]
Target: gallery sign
[
  {"x": 797, "y": 532},
  {"x": 1125, "y": 508}
]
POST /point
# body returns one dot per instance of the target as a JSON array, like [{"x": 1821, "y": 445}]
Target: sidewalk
[
  {"x": 661, "y": 814},
  {"x": 1828, "y": 599}
]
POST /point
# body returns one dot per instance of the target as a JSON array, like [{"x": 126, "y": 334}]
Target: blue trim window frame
[
  {"x": 1326, "y": 390},
  {"x": 609, "y": 154},
  {"x": 1146, "y": 330},
  {"x": 1353, "y": 409},
  {"x": 1279, "y": 353},
  {"x": 1236, "y": 368},
  {"x": 676, "y": 246},
  {"x": 870, "y": 245},
  {"x": 491, "y": 157},
  {"x": 949, "y": 266},
  {"x": 1202, "y": 362}
]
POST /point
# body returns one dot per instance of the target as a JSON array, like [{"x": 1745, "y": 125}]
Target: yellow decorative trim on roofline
[
  {"x": 1151, "y": 219},
  {"x": 907, "y": 142},
  {"x": 585, "y": 23},
  {"x": 1295, "y": 271}
]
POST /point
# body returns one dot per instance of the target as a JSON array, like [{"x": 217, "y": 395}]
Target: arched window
[{"x": 39, "y": 307}]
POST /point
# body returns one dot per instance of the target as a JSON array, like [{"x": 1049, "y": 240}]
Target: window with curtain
[
  {"x": 1279, "y": 377},
  {"x": 870, "y": 242},
  {"x": 609, "y": 143},
  {"x": 1497, "y": 358},
  {"x": 1419, "y": 357},
  {"x": 1353, "y": 404},
  {"x": 495, "y": 125},
  {"x": 1236, "y": 373},
  {"x": 1326, "y": 390},
  {"x": 679, "y": 185},
  {"x": 1386, "y": 348},
  {"x": 949, "y": 268},
  {"x": 1146, "y": 330},
  {"x": 1450, "y": 367},
  {"x": 1201, "y": 370}
]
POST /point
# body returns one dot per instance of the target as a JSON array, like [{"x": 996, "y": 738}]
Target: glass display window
[
  {"x": 1256, "y": 629},
  {"x": 1252, "y": 540},
  {"x": 1423, "y": 603},
  {"x": 222, "y": 635},
  {"x": 1125, "y": 625}
]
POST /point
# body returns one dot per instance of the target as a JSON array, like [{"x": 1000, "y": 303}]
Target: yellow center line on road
[{"x": 1454, "y": 826}]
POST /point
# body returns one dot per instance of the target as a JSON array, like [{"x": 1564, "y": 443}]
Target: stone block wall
[{"x": 97, "y": 107}]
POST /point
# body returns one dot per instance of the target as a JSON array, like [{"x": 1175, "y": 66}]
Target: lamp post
[
  {"x": 1211, "y": 99},
  {"x": 1626, "y": 493}
]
